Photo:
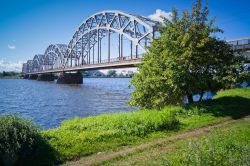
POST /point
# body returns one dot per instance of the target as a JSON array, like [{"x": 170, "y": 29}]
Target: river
[{"x": 48, "y": 103}]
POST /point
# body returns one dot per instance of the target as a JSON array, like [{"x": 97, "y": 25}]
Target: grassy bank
[
  {"x": 81, "y": 137},
  {"x": 228, "y": 145}
]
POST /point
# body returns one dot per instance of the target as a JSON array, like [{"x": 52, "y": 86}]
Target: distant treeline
[
  {"x": 9, "y": 74},
  {"x": 110, "y": 73}
]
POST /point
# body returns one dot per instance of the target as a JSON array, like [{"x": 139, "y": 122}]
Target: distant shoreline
[
  {"x": 10, "y": 75},
  {"x": 10, "y": 78},
  {"x": 107, "y": 77}
]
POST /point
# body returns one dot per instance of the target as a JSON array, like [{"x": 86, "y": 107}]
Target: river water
[{"x": 48, "y": 103}]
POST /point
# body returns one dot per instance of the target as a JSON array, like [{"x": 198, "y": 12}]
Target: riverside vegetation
[{"x": 81, "y": 137}]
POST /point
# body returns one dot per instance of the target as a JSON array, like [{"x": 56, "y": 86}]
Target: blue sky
[{"x": 27, "y": 27}]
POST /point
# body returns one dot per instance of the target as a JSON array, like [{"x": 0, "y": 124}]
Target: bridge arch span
[
  {"x": 29, "y": 66},
  {"x": 138, "y": 30},
  {"x": 54, "y": 56},
  {"x": 38, "y": 62}
]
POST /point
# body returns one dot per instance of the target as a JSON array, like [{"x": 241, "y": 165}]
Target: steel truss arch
[
  {"x": 38, "y": 62},
  {"x": 99, "y": 25},
  {"x": 54, "y": 56},
  {"x": 29, "y": 66},
  {"x": 24, "y": 68}
]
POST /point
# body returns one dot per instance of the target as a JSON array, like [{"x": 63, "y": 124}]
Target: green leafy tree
[{"x": 186, "y": 59}]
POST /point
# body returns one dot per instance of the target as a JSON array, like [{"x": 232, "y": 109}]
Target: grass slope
[
  {"x": 228, "y": 145},
  {"x": 110, "y": 132}
]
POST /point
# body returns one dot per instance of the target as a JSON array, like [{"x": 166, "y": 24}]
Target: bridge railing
[
  {"x": 105, "y": 61},
  {"x": 240, "y": 44},
  {"x": 111, "y": 60}
]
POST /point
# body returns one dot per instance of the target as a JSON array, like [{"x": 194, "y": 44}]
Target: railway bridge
[{"x": 108, "y": 39}]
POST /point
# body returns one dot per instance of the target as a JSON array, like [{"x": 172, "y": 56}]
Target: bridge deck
[
  {"x": 240, "y": 44},
  {"x": 107, "y": 65}
]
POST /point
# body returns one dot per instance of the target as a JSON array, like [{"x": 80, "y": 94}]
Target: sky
[{"x": 28, "y": 27}]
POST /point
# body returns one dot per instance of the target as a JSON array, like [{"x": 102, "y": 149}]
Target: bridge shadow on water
[{"x": 234, "y": 106}]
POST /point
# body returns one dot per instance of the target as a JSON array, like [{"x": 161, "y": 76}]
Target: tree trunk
[
  {"x": 190, "y": 98},
  {"x": 201, "y": 95}
]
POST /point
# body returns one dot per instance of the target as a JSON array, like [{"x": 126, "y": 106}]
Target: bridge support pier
[
  {"x": 25, "y": 76},
  {"x": 46, "y": 77},
  {"x": 33, "y": 76},
  {"x": 70, "y": 78}
]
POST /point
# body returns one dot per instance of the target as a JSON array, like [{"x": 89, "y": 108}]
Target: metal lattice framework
[
  {"x": 54, "y": 56},
  {"x": 24, "y": 68},
  {"x": 37, "y": 62},
  {"x": 30, "y": 66},
  {"x": 87, "y": 44},
  {"x": 137, "y": 29}
]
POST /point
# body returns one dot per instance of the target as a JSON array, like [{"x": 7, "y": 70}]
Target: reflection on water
[{"x": 48, "y": 103}]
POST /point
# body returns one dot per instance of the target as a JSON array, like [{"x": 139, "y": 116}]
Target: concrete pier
[
  {"x": 33, "y": 76},
  {"x": 70, "y": 78},
  {"x": 25, "y": 76},
  {"x": 46, "y": 77}
]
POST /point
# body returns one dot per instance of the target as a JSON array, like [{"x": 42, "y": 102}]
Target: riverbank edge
[
  {"x": 192, "y": 121},
  {"x": 82, "y": 139}
]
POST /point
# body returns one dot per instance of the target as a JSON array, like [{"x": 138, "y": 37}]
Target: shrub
[{"x": 21, "y": 143}]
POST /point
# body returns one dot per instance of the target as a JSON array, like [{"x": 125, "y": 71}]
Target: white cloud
[
  {"x": 160, "y": 15},
  {"x": 10, "y": 66},
  {"x": 11, "y": 47}
]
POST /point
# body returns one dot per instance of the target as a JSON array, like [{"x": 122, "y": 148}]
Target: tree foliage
[{"x": 186, "y": 59}]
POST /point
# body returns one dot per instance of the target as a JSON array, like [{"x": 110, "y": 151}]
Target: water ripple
[{"x": 48, "y": 104}]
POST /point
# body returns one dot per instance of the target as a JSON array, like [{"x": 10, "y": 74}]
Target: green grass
[
  {"x": 225, "y": 146},
  {"x": 228, "y": 147},
  {"x": 81, "y": 137}
]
